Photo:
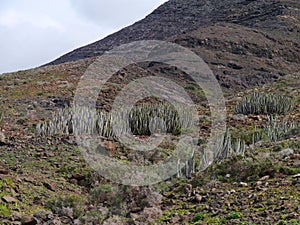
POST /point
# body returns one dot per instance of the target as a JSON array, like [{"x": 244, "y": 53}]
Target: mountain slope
[{"x": 180, "y": 16}]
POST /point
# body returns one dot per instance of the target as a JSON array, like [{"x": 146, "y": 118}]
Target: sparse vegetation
[
  {"x": 239, "y": 169},
  {"x": 265, "y": 104},
  {"x": 234, "y": 215},
  {"x": 198, "y": 217},
  {"x": 64, "y": 204}
]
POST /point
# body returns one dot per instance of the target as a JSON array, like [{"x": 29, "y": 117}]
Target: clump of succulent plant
[
  {"x": 277, "y": 129},
  {"x": 274, "y": 130},
  {"x": 140, "y": 120},
  {"x": 264, "y": 104},
  {"x": 226, "y": 146}
]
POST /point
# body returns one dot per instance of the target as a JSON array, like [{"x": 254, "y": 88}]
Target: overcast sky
[{"x": 34, "y": 32}]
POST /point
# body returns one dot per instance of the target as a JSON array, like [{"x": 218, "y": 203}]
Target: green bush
[
  {"x": 198, "y": 217},
  {"x": 234, "y": 215},
  {"x": 264, "y": 104},
  {"x": 4, "y": 211}
]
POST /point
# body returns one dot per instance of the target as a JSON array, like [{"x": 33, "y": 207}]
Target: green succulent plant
[{"x": 264, "y": 104}]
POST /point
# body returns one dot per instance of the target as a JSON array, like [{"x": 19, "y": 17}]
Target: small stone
[
  {"x": 297, "y": 176},
  {"x": 285, "y": 153},
  {"x": 49, "y": 186},
  {"x": 58, "y": 222},
  {"x": 17, "y": 216},
  {"x": 258, "y": 183},
  {"x": 18, "y": 179},
  {"x": 28, "y": 220},
  {"x": 189, "y": 187},
  {"x": 109, "y": 147},
  {"x": 198, "y": 198},
  {"x": 242, "y": 184},
  {"x": 175, "y": 219},
  {"x": 67, "y": 211},
  {"x": 74, "y": 181},
  {"x": 134, "y": 216},
  {"x": 9, "y": 199},
  {"x": 4, "y": 171},
  {"x": 151, "y": 214},
  {"x": 264, "y": 178},
  {"x": 65, "y": 220},
  {"x": 49, "y": 154},
  {"x": 295, "y": 156},
  {"x": 114, "y": 220},
  {"x": 44, "y": 215},
  {"x": 77, "y": 222},
  {"x": 78, "y": 177}
]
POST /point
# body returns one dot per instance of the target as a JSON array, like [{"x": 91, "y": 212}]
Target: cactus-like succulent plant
[
  {"x": 276, "y": 129},
  {"x": 140, "y": 120},
  {"x": 226, "y": 146},
  {"x": 264, "y": 104}
]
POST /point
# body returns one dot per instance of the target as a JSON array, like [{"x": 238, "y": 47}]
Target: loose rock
[
  {"x": 9, "y": 199},
  {"x": 242, "y": 184},
  {"x": 49, "y": 186},
  {"x": 285, "y": 153},
  {"x": 28, "y": 220}
]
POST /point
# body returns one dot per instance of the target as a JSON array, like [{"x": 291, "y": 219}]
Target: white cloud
[
  {"x": 34, "y": 32},
  {"x": 13, "y": 18},
  {"x": 115, "y": 13}
]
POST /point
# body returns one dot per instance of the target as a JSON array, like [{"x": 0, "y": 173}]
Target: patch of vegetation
[
  {"x": 241, "y": 169},
  {"x": 274, "y": 130},
  {"x": 289, "y": 170},
  {"x": 109, "y": 195},
  {"x": 143, "y": 119},
  {"x": 264, "y": 104},
  {"x": 73, "y": 202},
  {"x": 234, "y": 215},
  {"x": 227, "y": 147},
  {"x": 5, "y": 185},
  {"x": 198, "y": 217},
  {"x": 289, "y": 222},
  {"x": 4, "y": 211}
]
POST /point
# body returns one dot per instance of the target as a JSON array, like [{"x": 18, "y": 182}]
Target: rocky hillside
[
  {"x": 274, "y": 17},
  {"x": 244, "y": 42},
  {"x": 252, "y": 46}
]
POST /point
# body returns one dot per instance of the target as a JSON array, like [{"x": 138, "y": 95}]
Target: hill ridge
[{"x": 177, "y": 17}]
